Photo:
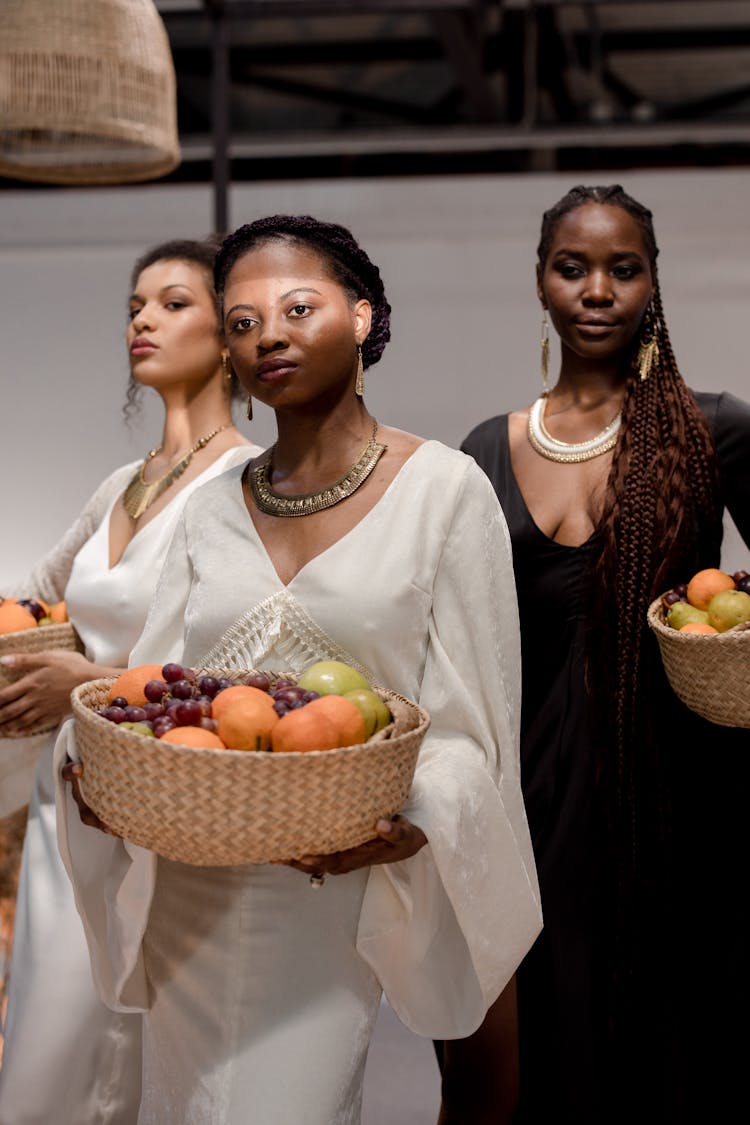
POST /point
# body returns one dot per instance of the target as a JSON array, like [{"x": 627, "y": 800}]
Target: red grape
[
  {"x": 153, "y": 710},
  {"x": 208, "y": 724},
  {"x": 162, "y": 725},
  {"x": 154, "y": 690},
  {"x": 182, "y": 689},
  {"x": 258, "y": 680},
  {"x": 173, "y": 672},
  {"x": 113, "y": 713},
  {"x": 135, "y": 714},
  {"x": 208, "y": 685},
  {"x": 188, "y": 713}
]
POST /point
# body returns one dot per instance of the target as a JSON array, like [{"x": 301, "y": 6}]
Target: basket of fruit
[
  {"x": 30, "y": 625},
  {"x": 703, "y": 631},
  {"x": 215, "y": 770}
]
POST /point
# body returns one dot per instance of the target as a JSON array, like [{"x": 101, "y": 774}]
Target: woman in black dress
[{"x": 631, "y": 1004}]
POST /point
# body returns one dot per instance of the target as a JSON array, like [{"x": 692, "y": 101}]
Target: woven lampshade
[{"x": 87, "y": 92}]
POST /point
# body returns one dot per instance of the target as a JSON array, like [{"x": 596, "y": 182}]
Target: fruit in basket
[
  {"x": 58, "y": 613},
  {"x": 247, "y": 722},
  {"x": 681, "y": 613},
  {"x": 138, "y": 727},
  {"x": 374, "y": 711},
  {"x": 15, "y": 618},
  {"x": 345, "y": 715},
  {"x": 225, "y": 700},
  {"x": 331, "y": 677},
  {"x": 130, "y": 684},
  {"x": 697, "y": 627},
  {"x": 38, "y": 609},
  {"x": 705, "y": 584},
  {"x": 304, "y": 729},
  {"x": 728, "y": 608},
  {"x": 194, "y": 736}
]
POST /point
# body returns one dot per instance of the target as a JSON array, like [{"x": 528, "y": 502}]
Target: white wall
[{"x": 457, "y": 255}]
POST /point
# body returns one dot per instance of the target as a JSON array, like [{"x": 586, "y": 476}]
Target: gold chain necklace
[
  {"x": 566, "y": 452},
  {"x": 140, "y": 495},
  {"x": 273, "y": 504}
]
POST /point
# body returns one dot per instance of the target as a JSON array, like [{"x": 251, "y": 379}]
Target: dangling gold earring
[
  {"x": 545, "y": 353},
  {"x": 648, "y": 347},
  {"x": 359, "y": 384},
  {"x": 226, "y": 366},
  {"x": 249, "y": 408}
]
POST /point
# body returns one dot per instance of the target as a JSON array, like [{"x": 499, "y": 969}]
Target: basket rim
[{"x": 79, "y": 707}]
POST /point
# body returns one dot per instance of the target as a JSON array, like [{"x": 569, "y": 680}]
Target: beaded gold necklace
[
  {"x": 140, "y": 494},
  {"x": 273, "y": 504}
]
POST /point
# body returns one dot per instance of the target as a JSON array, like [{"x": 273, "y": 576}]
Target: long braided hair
[
  {"x": 336, "y": 245},
  {"x": 661, "y": 521}
]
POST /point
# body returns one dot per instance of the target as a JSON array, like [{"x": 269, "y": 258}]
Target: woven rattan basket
[
  {"x": 710, "y": 673},
  {"x": 41, "y": 639},
  {"x": 225, "y": 807}
]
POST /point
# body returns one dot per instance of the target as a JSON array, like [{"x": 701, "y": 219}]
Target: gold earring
[
  {"x": 648, "y": 347},
  {"x": 545, "y": 353},
  {"x": 226, "y": 366},
  {"x": 249, "y": 408},
  {"x": 359, "y": 383}
]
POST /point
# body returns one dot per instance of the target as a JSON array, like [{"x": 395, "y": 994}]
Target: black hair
[{"x": 349, "y": 265}]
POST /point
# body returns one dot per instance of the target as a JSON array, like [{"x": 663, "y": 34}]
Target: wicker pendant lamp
[{"x": 87, "y": 92}]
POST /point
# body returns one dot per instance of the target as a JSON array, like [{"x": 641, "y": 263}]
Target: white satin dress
[
  {"x": 67, "y": 1059},
  {"x": 260, "y": 991}
]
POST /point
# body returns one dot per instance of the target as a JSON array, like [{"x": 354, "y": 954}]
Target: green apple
[
  {"x": 374, "y": 711},
  {"x": 681, "y": 613},
  {"x": 727, "y": 609},
  {"x": 331, "y": 677},
  {"x": 137, "y": 728}
]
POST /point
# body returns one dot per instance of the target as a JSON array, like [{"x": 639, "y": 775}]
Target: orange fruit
[
  {"x": 697, "y": 627},
  {"x": 349, "y": 720},
  {"x": 193, "y": 736},
  {"x": 304, "y": 729},
  {"x": 57, "y": 613},
  {"x": 246, "y": 722},
  {"x": 705, "y": 583},
  {"x": 14, "y": 618},
  {"x": 130, "y": 684},
  {"x": 226, "y": 698}
]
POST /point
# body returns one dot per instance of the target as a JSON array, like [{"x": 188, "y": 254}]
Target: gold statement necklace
[
  {"x": 565, "y": 451},
  {"x": 141, "y": 494},
  {"x": 273, "y": 504}
]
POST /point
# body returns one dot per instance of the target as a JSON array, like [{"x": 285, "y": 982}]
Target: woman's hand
[
  {"x": 72, "y": 772},
  {"x": 396, "y": 839},
  {"x": 42, "y": 693}
]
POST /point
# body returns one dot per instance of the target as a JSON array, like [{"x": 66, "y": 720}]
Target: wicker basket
[
  {"x": 40, "y": 639},
  {"x": 225, "y": 807},
  {"x": 710, "y": 673}
]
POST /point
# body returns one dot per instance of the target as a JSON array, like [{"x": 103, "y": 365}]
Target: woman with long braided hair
[
  {"x": 348, "y": 540},
  {"x": 614, "y": 483}
]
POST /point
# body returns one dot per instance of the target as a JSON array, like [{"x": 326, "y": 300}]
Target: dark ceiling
[{"x": 289, "y": 88}]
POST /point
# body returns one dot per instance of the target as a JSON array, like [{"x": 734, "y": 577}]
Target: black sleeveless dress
[{"x": 697, "y": 959}]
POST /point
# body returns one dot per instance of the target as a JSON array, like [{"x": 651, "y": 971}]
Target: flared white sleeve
[
  {"x": 445, "y": 930},
  {"x": 113, "y": 880}
]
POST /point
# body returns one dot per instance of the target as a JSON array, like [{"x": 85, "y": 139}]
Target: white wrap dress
[
  {"x": 261, "y": 992},
  {"x": 67, "y": 1059}
]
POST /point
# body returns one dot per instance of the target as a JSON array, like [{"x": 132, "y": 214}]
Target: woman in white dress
[
  {"x": 69, "y": 1060},
  {"x": 259, "y": 984}
]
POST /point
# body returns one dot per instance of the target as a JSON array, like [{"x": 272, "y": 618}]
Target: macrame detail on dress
[{"x": 277, "y": 630}]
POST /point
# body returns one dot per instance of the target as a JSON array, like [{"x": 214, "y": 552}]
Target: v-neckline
[
  {"x": 326, "y": 550},
  {"x": 141, "y": 530},
  {"x": 514, "y": 479}
]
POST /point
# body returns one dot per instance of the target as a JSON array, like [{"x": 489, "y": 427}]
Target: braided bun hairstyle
[
  {"x": 660, "y": 522},
  {"x": 348, "y": 263}
]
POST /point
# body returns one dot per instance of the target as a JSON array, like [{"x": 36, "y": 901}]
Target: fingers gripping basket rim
[
  {"x": 42, "y": 638},
  {"x": 225, "y": 807},
  {"x": 709, "y": 673}
]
